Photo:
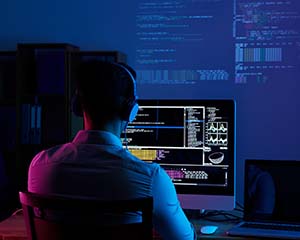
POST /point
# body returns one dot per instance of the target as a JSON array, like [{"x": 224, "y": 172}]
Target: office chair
[{"x": 49, "y": 218}]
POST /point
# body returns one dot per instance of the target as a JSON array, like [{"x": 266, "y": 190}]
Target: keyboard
[
  {"x": 284, "y": 227},
  {"x": 270, "y": 230}
]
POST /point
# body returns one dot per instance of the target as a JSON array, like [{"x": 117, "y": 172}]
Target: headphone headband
[
  {"x": 124, "y": 67},
  {"x": 128, "y": 104}
]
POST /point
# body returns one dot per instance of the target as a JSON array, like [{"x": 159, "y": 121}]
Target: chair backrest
[{"x": 53, "y": 217}]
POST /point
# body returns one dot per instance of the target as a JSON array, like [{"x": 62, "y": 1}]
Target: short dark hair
[{"x": 102, "y": 86}]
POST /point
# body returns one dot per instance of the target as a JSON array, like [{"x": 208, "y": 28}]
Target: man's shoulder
[
  {"x": 139, "y": 165},
  {"x": 50, "y": 154}
]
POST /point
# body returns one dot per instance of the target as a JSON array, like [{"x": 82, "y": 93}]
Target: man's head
[{"x": 105, "y": 92}]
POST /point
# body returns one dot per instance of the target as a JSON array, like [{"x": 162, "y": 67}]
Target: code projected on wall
[
  {"x": 181, "y": 42},
  {"x": 233, "y": 41},
  {"x": 267, "y": 37}
]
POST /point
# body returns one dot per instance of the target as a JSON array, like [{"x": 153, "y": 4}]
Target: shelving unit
[
  {"x": 36, "y": 86},
  {"x": 43, "y": 93}
]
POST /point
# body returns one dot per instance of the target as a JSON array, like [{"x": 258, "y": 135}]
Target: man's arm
[{"x": 168, "y": 218}]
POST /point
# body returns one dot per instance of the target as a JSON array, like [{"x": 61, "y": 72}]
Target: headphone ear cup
[
  {"x": 129, "y": 110},
  {"x": 133, "y": 112},
  {"x": 76, "y": 106}
]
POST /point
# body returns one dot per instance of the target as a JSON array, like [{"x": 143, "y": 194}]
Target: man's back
[{"x": 95, "y": 164}]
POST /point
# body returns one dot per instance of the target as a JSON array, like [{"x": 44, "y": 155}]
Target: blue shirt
[{"x": 96, "y": 164}]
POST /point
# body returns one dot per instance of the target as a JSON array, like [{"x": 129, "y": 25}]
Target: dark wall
[{"x": 267, "y": 114}]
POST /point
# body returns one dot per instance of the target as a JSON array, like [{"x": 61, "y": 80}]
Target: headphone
[{"x": 128, "y": 104}]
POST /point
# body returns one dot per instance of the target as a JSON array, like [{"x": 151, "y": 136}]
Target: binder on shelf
[
  {"x": 38, "y": 124},
  {"x": 31, "y": 124},
  {"x": 25, "y": 127}
]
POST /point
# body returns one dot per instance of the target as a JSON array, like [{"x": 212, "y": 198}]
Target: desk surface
[
  {"x": 14, "y": 228},
  {"x": 220, "y": 232}
]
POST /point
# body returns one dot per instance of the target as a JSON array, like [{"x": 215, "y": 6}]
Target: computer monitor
[{"x": 194, "y": 141}]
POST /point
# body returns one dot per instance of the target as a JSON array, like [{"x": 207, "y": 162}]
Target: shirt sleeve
[
  {"x": 33, "y": 182},
  {"x": 169, "y": 219}
]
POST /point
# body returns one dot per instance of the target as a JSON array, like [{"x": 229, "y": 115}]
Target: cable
[
  {"x": 19, "y": 210},
  {"x": 221, "y": 216},
  {"x": 215, "y": 216},
  {"x": 239, "y": 207}
]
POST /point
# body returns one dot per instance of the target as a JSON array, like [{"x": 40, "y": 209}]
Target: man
[{"x": 95, "y": 162}]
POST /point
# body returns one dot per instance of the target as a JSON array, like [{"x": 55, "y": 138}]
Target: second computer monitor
[{"x": 194, "y": 141}]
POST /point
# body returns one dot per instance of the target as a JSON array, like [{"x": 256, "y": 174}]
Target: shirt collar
[{"x": 97, "y": 137}]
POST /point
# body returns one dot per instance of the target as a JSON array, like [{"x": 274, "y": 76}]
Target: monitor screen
[{"x": 194, "y": 141}]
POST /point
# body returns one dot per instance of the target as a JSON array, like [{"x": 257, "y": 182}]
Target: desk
[
  {"x": 221, "y": 231},
  {"x": 14, "y": 228}
]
